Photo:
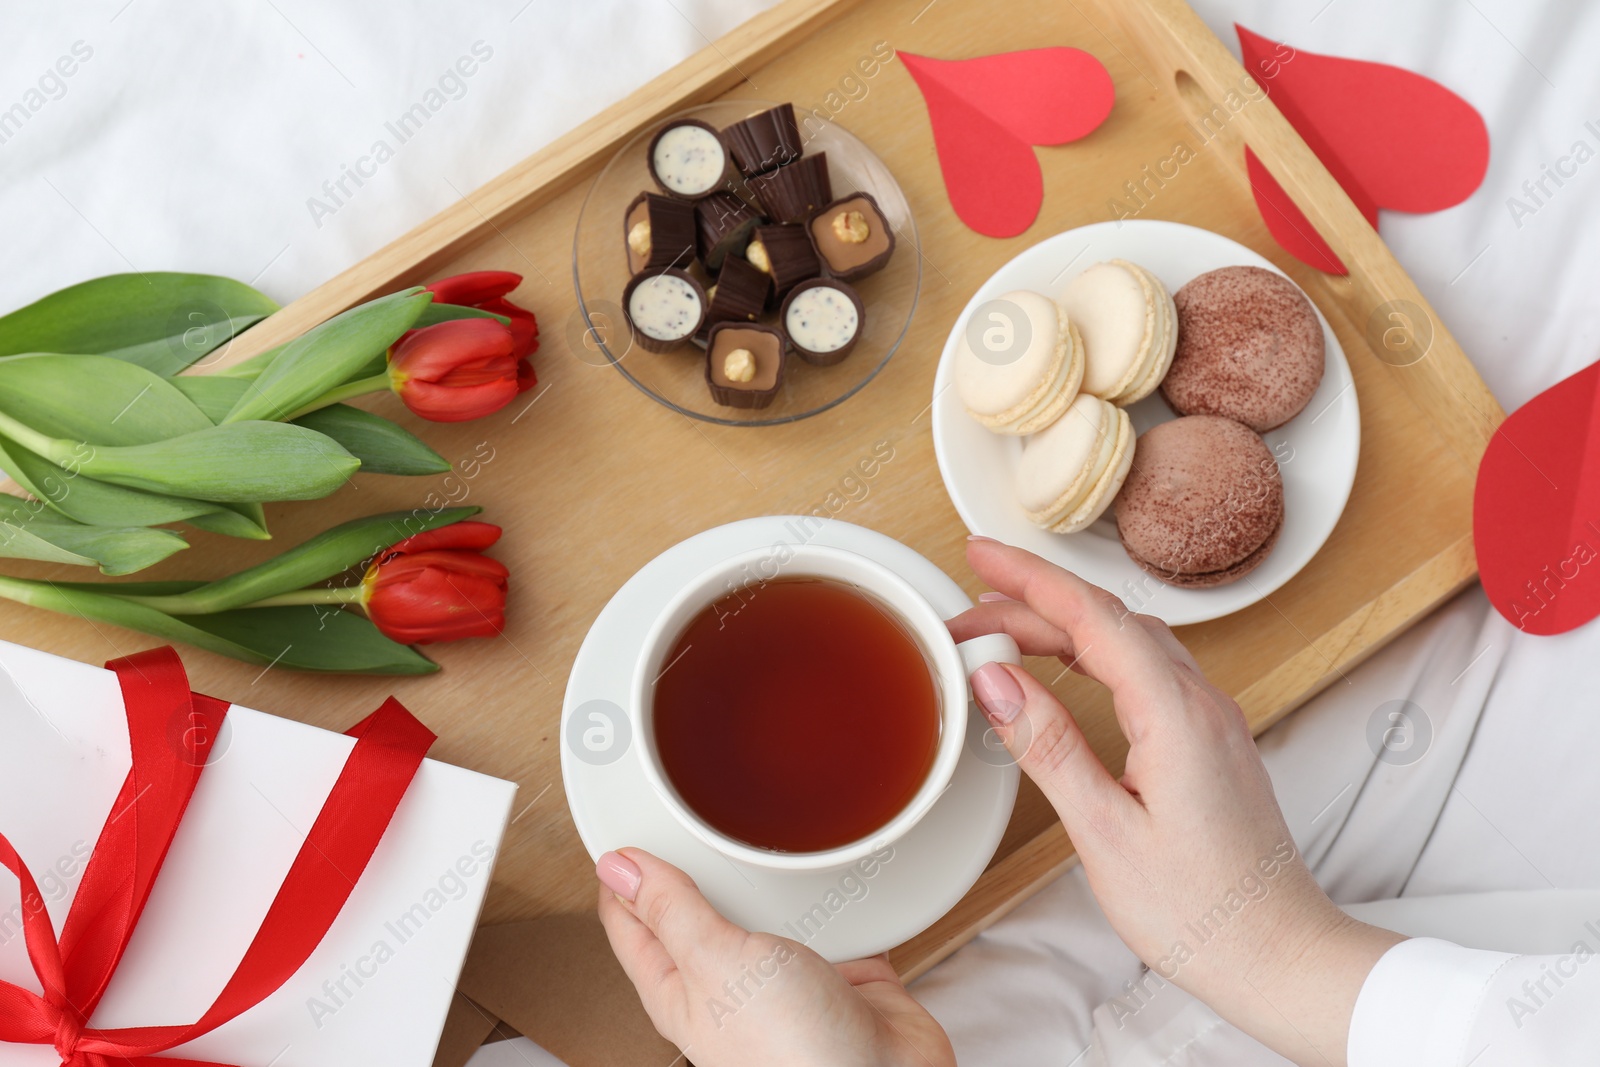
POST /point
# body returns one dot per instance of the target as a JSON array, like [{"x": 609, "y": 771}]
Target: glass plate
[{"x": 677, "y": 378}]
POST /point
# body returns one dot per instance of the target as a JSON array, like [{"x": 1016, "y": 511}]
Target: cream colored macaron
[
  {"x": 1071, "y": 472},
  {"x": 1129, "y": 327},
  {"x": 1019, "y": 362}
]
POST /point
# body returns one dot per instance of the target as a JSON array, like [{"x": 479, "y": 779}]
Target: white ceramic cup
[{"x": 951, "y": 664}]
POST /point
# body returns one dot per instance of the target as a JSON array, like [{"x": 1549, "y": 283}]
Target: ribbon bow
[{"x": 75, "y": 970}]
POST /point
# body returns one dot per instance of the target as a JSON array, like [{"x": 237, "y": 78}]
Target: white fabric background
[{"x": 194, "y": 134}]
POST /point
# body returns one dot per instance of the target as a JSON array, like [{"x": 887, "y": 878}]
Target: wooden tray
[{"x": 592, "y": 479}]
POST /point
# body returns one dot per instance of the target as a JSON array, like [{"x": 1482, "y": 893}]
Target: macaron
[
  {"x": 1250, "y": 348},
  {"x": 1129, "y": 329},
  {"x": 1019, "y": 362},
  {"x": 1203, "y": 502},
  {"x": 1071, "y": 471}
]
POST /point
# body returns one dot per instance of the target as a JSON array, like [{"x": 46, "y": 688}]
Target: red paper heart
[
  {"x": 988, "y": 113},
  {"x": 1391, "y": 138},
  {"x": 1536, "y": 509}
]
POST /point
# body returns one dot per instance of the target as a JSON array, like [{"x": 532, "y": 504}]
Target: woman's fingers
[
  {"x": 1033, "y": 635},
  {"x": 644, "y": 960},
  {"x": 871, "y": 969},
  {"x": 1036, "y": 637},
  {"x": 1047, "y": 744},
  {"x": 1167, "y": 640},
  {"x": 669, "y": 903},
  {"x": 1109, "y": 644},
  {"x": 658, "y": 924}
]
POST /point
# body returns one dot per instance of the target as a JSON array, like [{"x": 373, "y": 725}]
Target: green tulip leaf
[
  {"x": 240, "y": 462},
  {"x": 382, "y": 446},
  {"x": 95, "y": 398},
  {"x": 327, "y": 355},
  {"x": 313, "y": 638},
  {"x": 250, "y": 368},
  {"x": 308, "y": 637},
  {"x": 29, "y": 530},
  {"x": 164, "y": 588},
  {"x": 98, "y": 503},
  {"x": 213, "y": 394},
  {"x": 437, "y": 313},
  {"x": 248, "y": 520},
  {"x": 329, "y": 553},
  {"x": 161, "y": 321}
]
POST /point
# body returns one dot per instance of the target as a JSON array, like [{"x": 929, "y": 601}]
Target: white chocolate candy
[
  {"x": 665, "y": 308},
  {"x": 689, "y": 160},
  {"x": 821, "y": 319}
]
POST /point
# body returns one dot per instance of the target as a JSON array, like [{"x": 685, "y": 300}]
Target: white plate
[
  {"x": 1316, "y": 450},
  {"x": 849, "y": 916}
]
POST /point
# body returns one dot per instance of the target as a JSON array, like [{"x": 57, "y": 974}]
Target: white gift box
[{"x": 376, "y": 990}]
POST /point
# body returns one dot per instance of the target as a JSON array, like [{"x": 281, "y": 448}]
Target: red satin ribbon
[{"x": 74, "y": 971}]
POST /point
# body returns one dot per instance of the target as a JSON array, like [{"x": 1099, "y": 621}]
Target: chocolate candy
[
  {"x": 665, "y": 308},
  {"x": 851, "y": 237},
  {"x": 823, "y": 319},
  {"x": 784, "y": 251},
  {"x": 687, "y": 158},
  {"x": 722, "y": 225},
  {"x": 658, "y": 231},
  {"x": 744, "y": 364},
  {"x": 793, "y": 191},
  {"x": 765, "y": 141},
  {"x": 740, "y": 294}
]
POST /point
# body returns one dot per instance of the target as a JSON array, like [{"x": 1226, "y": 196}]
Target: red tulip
[
  {"x": 474, "y": 288},
  {"x": 456, "y": 370},
  {"x": 438, "y": 586},
  {"x": 486, "y": 290}
]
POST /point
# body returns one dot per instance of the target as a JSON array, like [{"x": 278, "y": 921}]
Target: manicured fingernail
[
  {"x": 992, "y": 598},
  {"x": 998, "y": 693},
  {"x": 619, "y": 874},
  {"x": 981, "y": 537}
]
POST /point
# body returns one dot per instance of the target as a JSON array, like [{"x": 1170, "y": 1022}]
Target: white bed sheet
[{"x": 195, "y": 137}]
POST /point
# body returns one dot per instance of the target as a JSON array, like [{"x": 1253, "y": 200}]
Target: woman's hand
[
  {"x": 731, "y": 998},
  {"x": 1188, "y": 852}
]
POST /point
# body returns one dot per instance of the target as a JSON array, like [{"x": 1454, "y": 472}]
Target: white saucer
[
  {"x": 1316, "y": 450},
  {"x": 850, "y": 917}
]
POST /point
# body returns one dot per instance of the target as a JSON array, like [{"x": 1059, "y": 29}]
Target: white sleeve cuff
[{"x": 1416, "y": 1008}]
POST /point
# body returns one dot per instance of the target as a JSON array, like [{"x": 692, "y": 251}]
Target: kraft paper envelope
[{"x": 375, "y": 991}]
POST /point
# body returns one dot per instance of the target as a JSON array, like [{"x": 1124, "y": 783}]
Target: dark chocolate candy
[
  {"x": 793, "y": 191},
  {"x": 740, "y": 295},
  {"x": 671, "y": 308},
  {"x": 669, "y": 240},
  {"x": 765, "y": 141},
  {"x": 695, "y": 170},
  {"x": 722, "y": 225},
  {"x": 816, "y": 318},
  {"x": 764, "y": 344},
  {"x": 846, "y": 251},
  {"x": 786, "y": 249}
]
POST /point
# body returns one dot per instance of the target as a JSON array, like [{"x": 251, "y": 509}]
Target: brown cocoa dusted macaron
[
  {"x": 765, "y": 141},
  {"x": 664, "y": 307},
  {"x": 740, "y": 295},
  {"x": 687, "y": 158},
  {"x": 784, "y": 251},
  {"x": 851, "y": 237},
  {"x": 1250, "y": 348},
  {"x": 793, "y": 191},
  {"x": 1203, "y": 502},
  {"x": 744, "y": 364},
  {"x": 823, "y": 319},
  {"x": 723, "y": 224},
  {"x": 658, "y": 231}
]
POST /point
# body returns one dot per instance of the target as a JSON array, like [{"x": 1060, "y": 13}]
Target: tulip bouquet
[{"x": 111, "y": 443}]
